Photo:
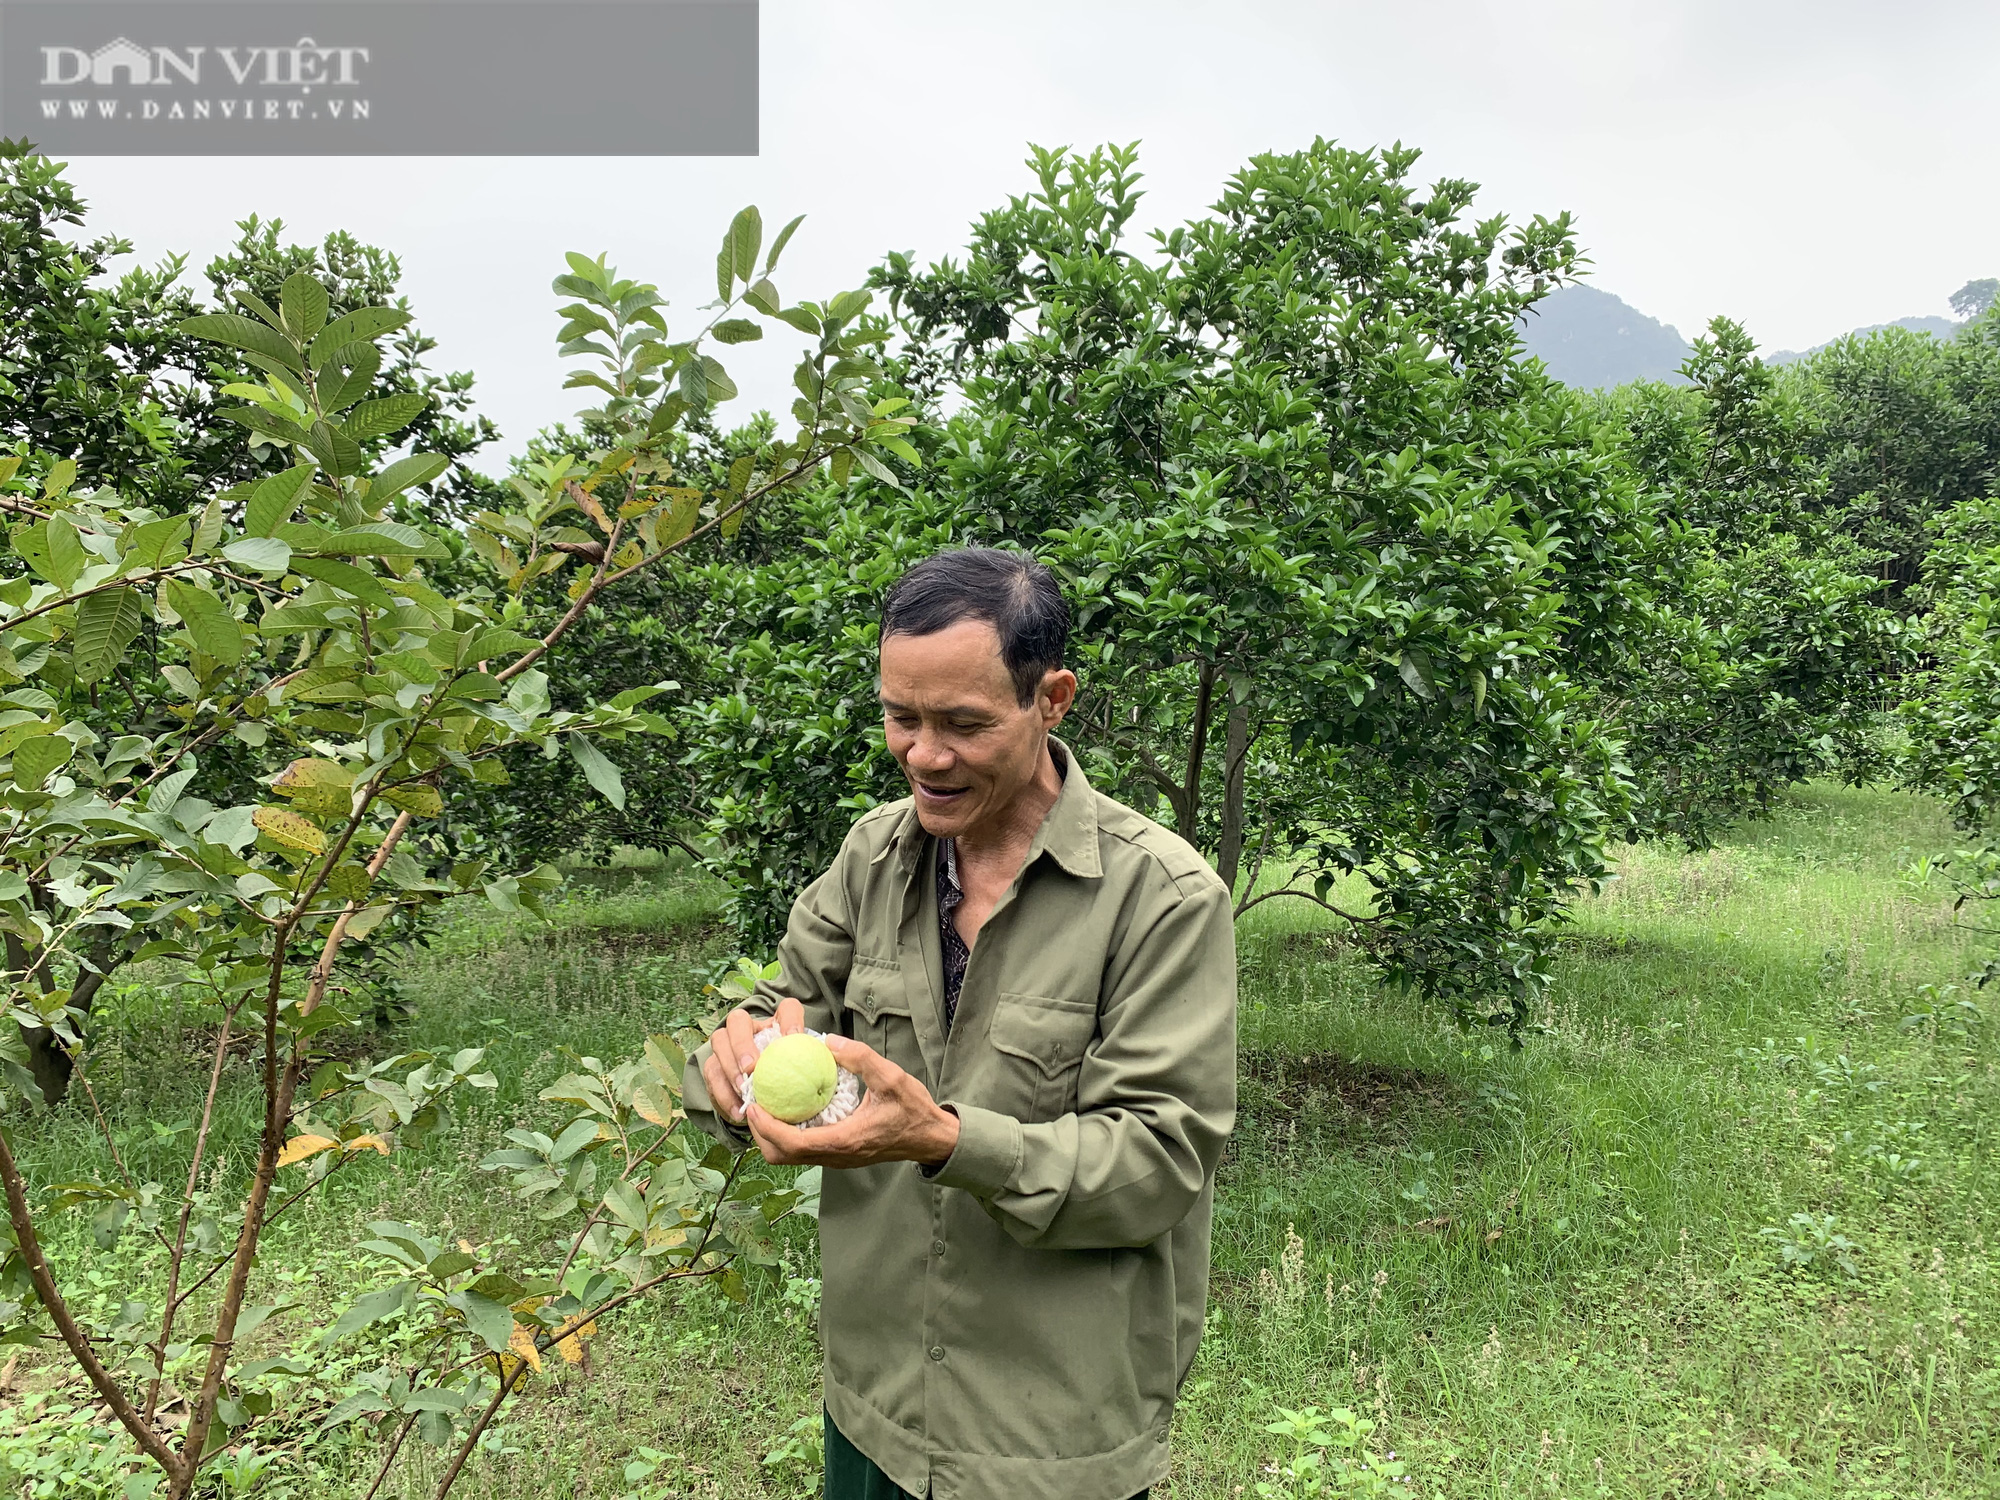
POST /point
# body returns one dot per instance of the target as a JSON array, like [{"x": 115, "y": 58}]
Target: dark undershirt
[{"x": 950, "y": 896}]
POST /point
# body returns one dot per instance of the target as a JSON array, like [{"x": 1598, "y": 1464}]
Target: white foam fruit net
[{"x": 846, "y": 1089}]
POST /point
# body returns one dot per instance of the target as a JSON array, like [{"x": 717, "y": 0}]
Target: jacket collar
[{"x": 1068, "y": 834}]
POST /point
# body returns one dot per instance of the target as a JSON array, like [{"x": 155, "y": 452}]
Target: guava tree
[{"x": 298, "y": 622}]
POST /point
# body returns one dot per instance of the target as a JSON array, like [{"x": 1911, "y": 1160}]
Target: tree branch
[
  {"x": 74, "y": 1337},
  {"x": 322, "y": 972},
  {"x": 174, "y": 1262}
]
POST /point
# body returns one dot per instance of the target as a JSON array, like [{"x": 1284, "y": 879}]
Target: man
[{"x": 1038, "y": 988}]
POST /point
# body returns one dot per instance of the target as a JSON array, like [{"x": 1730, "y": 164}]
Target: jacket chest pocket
[
  {"x": 879, "y": 1013},
  {"x": 1040, "y": 1042}
]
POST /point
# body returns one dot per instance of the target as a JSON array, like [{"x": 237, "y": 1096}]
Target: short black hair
[{"x": 1011, "y": 591}]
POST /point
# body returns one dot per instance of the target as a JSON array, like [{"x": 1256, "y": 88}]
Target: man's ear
[{"x": 1057, "y": 696}]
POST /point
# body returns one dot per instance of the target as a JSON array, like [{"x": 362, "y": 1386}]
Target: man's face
[{"x": 956, "y": 728}]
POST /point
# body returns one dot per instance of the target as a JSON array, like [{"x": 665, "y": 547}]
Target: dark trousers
[{"x": 852, "y": 1475}]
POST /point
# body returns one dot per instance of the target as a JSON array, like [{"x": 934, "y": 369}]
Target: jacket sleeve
[
  {"x": 813, "y": 964},
  {"x": 1156, "y": 1098}
]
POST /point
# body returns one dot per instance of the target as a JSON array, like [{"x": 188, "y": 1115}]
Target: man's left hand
[{"x": 897, "y": 1121}]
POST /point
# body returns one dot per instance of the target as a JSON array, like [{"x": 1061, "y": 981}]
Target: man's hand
[
  {"x": 897, "y": 1121},
  {"x": 732, "y": 1052}
]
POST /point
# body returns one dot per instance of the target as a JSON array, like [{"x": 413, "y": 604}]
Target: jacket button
[
  {"x": 937, "y": 1247},
  {"x": 937, "y": 1351}
]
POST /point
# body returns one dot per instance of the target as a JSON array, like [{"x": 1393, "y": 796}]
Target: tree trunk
[
  {"x": 1235, "y": 756},
  {"x": 1187, "y": 819},
  {"x": 48, "y": 1061}
]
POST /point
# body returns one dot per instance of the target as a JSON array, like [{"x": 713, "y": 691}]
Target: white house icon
[{"x": 121, "y": 53}]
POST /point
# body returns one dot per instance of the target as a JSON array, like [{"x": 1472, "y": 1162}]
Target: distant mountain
[
  {"x": 1590, "y": 338},
  {"x": 1942, "y": 328}
]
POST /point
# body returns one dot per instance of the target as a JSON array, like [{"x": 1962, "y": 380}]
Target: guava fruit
[{"x": 795, "y": 1077}]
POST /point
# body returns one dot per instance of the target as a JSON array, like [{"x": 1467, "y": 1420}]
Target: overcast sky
[{"x": 1803, "y": 167}]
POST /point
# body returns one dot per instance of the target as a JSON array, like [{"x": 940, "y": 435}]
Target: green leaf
[
  {"x": 490, "y": 642},
  {"x": 106, "y": 622},
  {"x": 273, "y": 502},
  {"x": 347, "y": 376},
  {"x": 632, "y": 697},
  {"x": 500, "y": 1287},
  {"x": 259, "y": 306},
  {"x": 802, "y": 318},
  {"x": 450, "y": 1264},
  {"x": 336, "y": 451},
  {"x": 206, "y": 620},
  {"x": 371, "y": 1307},
  {"x": 847, "y": 304},
  {"x": 764, "y": 297},
  {"x": 492, "y": 1322},
  {"x": 51, "y": 548},
  {"x": 260, "y": 554},
  {"x": 302, "y": 303},
  {"x": 367, "y": 323},
  {"x": 624, "y": 1201},
  {"x": 38, "y": 757},
  {"x": 737, "y": 331},
  {"x": 349, "y": 579},
  {"x": 1415, "y": 669},
  {"x": 239, "y": 332},
  {"x": 62, "y": 474},
  {"x": 778, "y": 245},
  {"x": 155, "y": 544},
  {"x": 598, "y": 770},
  {"x": 386, "y": 415},
  {"x": 270, "y": 424},
  {"x": 385, "y": 539},
  {"x": 407, "y": 473},
  {"x": 872, "y": 465},
  {"x": 694, "y": 385},
  {"x": 208, "y": 530},
  {"x": 746, "y": 238},
  {"x": 720, "y": 386}
]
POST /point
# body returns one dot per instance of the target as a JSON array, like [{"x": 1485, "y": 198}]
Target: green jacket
[{"x": 1016, "y": 1327}]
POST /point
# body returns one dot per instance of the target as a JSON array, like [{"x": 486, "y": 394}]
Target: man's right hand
[{"x": 732, "y": 1052}]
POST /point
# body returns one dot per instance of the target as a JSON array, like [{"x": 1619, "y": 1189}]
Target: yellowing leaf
[
  {"x": 653, "y": 1105},
  {"x": 419, "y": 801},
  {"x": 283, "y": 826},
  {"x": 301, "y": 774},
  {"x": 349, "y": 882},
  {"x": 367, "y": 1143},
  {"x": 522, "y": 1342},
  {"x": 320, "y": 787},
  {"x": 571, "y": 1348},
  {"x": 301, "y": 1147}
]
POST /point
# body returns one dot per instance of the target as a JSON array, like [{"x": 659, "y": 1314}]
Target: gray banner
[{"x": 380, "y": 77}]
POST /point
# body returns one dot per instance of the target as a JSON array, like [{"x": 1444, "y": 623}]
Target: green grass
[{"x": 1542, "y": 1272}]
